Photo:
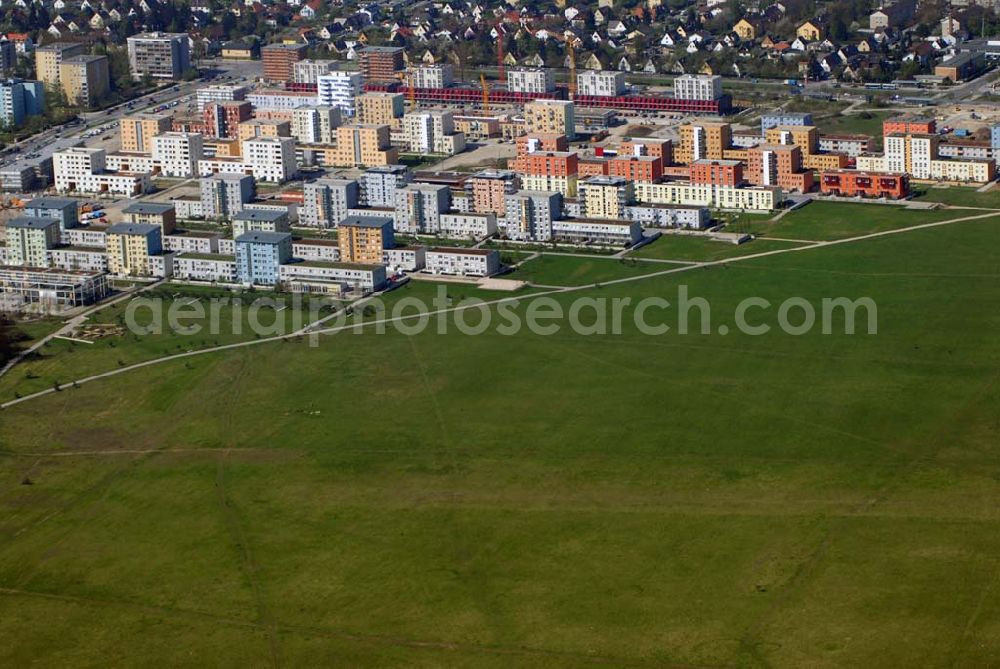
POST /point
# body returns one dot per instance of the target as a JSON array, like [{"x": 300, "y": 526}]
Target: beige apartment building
[
  {"x": 550, "y": 117},
  {"x": 379, "y": 108},
  {"x": 137, "y": 131},
  {"x": 364, "y": 146},
  {"x": 703, "y": 141},
  {"x": 84, "y": 79},
  {"x": 48, "y": 58}
]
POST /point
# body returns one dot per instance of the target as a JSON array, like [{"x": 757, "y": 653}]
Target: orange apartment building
[
  {"x": 778, "y": 165},
  {"x": 648, "y": 146},
  {"x": 716, "y": 172},
  {"x": 137, "y": 131},
  {"x": 488, "y": 190},
  {"x": 911, "y": 125},
  {"x": 550, "y": 163},
  {"x": 279, "y": 61},
  {"x": 645, "y": 169},
  {"x": 851, "y": 183},
  {"x": 255, "y": 128},
  {"x": 594, "y": 166},
  {"x": 703, "y": 140},
  {"x": 362, "y": 146}
]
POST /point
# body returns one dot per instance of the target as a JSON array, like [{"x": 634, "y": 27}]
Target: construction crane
[
  {"x": 571, "y": 54},
  {"x": 486, "y": 93}
]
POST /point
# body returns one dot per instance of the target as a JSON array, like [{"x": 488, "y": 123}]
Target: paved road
[{"x": 314, "y": 330}]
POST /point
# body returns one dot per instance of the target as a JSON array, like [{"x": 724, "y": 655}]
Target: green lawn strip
[
  {"x": 688, "y": 248},
  {"x": 823, "y": 221}
]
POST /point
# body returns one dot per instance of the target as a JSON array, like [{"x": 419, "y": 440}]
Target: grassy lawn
[
  {"x": 62, "y": 360},
  {"x": 699, "y": 249},
  {"x": 821, "y": 221},
  {"x": 856, "y": 124},
  {"x": 963, "y": 197},
  {"x": 555, "y": 270},
  {"x": 819, "y": 500}
]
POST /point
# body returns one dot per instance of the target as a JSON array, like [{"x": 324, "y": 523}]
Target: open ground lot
[
  {"x": 564, "y": 500},
  {"x": 824, "y": 221}
]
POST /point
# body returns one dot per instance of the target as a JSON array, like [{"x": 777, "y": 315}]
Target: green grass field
[
  {"x": 963, "y": 197},
  {"x": 696, "y": 249},
  {"x": 537, "y": 501},
  {"x": 558, "y": 270},
  {"x": 823, "y": 221}
]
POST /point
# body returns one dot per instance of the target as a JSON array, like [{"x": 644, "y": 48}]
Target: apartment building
[
  {"x": 309, "y": 71},
  {"x": 853, "y": 183},
  {"x": 550, "y": 116},
  {"x": 223, "y": 119},
  {"x": 488, "y": 190},
  {"x": 432, "y": 132},
  {"x": 380, "y": 108},
  {"x": 379, "y": 185},
  {"x": 703, "y": 140},
  {"x": 850, "y": 145},
  {"x": 418, "y": 207},
  {"x": 636, "y": 168},
  {"x": 381, "y": 63},
  {"x": 478, "y": 127},
  {"x": 907, "y": 123},
  {"x": 255, "y": 128},
  {"x": 778, "y": 165},
  {"x": 271, "y": 100},
  {"x": 707, "y": 195},
  {"x": 668, "y": 216},
  {"x": 270, "y": 158},
  {"x": 339, "y": 89},
  {"x": 648, "y": 146},
  {"x": 177, "y": 154},
  {"x": 529, "y": 214},
  {"x": 223, "y": 195},
  {"x": 260, "y": 255},
  {"x": 462, "y": 262},
  {"x": 697, "y": 87},
  {"x": 602, "y": 83},
  {"x": 326, "y": 202},
  {"x": 364, "y": 146},
  {"x": 530, "y": 80},
  {"x": 468, "y": 225},
  {"x": 220, "y": 93},
  {"x": 49, "y": 57},
  {"x": 605, "y": 196},
  {"x": 130, "y": 248},
  {"x": 717, "y": 172},
  {"x": 63, "y": 209},
  {"x": 584, "y": 230},
  {"x": 432, "y": 76},
  {"x": 159, "y": 214},
  {"x": 315, "y": 125},
  {"x": 806, "y": 137},
  {"x": 83, "y": 170},
  {"x": 20, "y": 99},
  {"x": 137, "y": 131},
  {"x": 279, "y": 61},
  {"x": 159, "y": 55},
  {"x": 773, "y": 119},
  {"x": 84, "y": 79},
  {"x": 29, "y": 240},
  {"x": 363, "y": 239}
]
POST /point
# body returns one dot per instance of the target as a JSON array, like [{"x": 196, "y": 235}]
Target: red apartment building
[
  {"x": 222, "y": 118},
  {"x": 647, "y": 169},
  {"x": 910, "y": 125},
  {"x": 850, "y": 183},
  {"x": 716, "y": 172},
  {"x": 279, "y": 61}
]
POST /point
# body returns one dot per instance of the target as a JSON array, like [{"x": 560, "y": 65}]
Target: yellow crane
[
  {"x": 411, "y": 92},
  {"x": 486, "y": 93}
]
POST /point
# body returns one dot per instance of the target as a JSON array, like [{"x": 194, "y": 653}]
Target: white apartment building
[
  {"x": 468, "y": 225},
  {"x": 177, "y": 153},
  {"x": 309, "y": 71},
  {"x": 530, "y": 214},
  {"x": 326, "y": 202},
  {"x": 222, "y": 195},
  {"x": 78, "y": 259},
  {"x": 764, "y": 198},
  {"x": 379, "y": 184},
  {"x": 219, "y": 93},
  {"x": 698, "y": 87},
  {"x": 205, "y": 267},
  {"x": 432, "y": 76},
  {"x": 530, "y": 80},
  {"x": 432, "y": 132},
  {"x": 270, "y": 158},
  {"x": 339, "y": 89},
  {"x": 273, "y": 100},
  {"x": 462, "y": 262},
  {"x": 616, "y": 233},
  {"x": 604, "y": 83},
  {"x": 315, "y": 125},
  {"x": 418, "y": 208},
  {"x": 83, "y": 170}
]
